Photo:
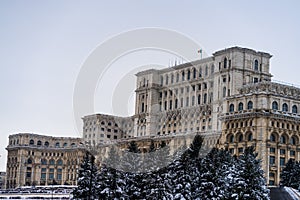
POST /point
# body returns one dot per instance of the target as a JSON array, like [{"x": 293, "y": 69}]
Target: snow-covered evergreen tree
[
  {"x": 111, "y": 180},
  {"x": 251, "y": 176},
  {"x": 290, "y": 174},
  {"x": 87, "y": 179}
]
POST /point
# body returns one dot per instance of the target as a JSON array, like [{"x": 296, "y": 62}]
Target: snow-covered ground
[{"x": 295, "y": 194}]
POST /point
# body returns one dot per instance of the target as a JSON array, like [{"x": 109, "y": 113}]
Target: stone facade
[
  {"x": 228, "y": 97},
  {"x": 266, "y": 116},
  {"x": 42, "y": 160},
  {"x": 183, "y": 99}
]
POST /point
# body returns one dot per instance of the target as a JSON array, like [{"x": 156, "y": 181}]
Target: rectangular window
[
  {"x": 272, "y": 150},
  {"x": 43, "y": 176},
  {"x": 231, "y": 150},
  {"x": 292, "y": 153},
  {"x": 272, "y": 160},
  {"x": 282, "y": 151},
  {"x": 282, "y": 161},
  {"x": 271, "y": 174}
]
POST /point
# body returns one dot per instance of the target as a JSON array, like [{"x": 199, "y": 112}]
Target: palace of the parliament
[{"x": 229, "y": 98}]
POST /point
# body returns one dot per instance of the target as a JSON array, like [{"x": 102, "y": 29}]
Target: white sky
[{"x": 43, "y": 45}]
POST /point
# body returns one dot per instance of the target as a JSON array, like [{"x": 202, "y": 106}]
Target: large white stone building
[{"x": 228, "y": 97}]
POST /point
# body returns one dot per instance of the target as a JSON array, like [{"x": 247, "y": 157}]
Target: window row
[
  {"x": 285, "y": 126},
  {"x": 46, "y": 143},
  {"x": 284, "y": 139},
  {"x": 186, "y": 75},
  {"x": 176, "y": 91},
  {"x": 180, "y": 103},
  {"x": 241, "y": 106},
  {"x": 231, "y": 138},
  {"x": 284, "y": 107}
]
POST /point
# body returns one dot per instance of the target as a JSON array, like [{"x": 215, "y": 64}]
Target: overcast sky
[{"x": 43, "y": 45}]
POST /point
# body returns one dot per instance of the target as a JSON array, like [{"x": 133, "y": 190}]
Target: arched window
[
  {"x": 224, "y": 92},
  {"x": 73, "y": 145},
  {"x": 102, "y": 123},
  {"x": 272, "y": 138},
  {"x": 231, "y": 108},
  {"x": 256, "y": 65},
  {"x": 240, "y": 138},
  {"x": 241, "y": 106},
  {"x": 188, "y": 75},
  {"x": 231, "y": 139},
  {"x": 294, "y": 109},
  {"x": 167, "y": 79},
  {"x": 282, "y": 139},
  {"x": 109, "y": 124},
  {"x": 31, "y": 142},
  {"x": 44, "y": 162},
  {"x": 57, "y": 144},
  {"x": 250, "y": 137},
  {"x": 29, "y": 161},
  {"x": 275, "y": 105},
  {"x": 284, "y": 107},
  {"x": 293, "y": 140},
  {"x": 65, "y": 144},
  {"x": 39, "y": 143},
  {"x": 46, "y": 143},
  {"x": 250, "y": 105},
  {"x": 59, "y": 162},
  {"x": 225, "y": 63}
]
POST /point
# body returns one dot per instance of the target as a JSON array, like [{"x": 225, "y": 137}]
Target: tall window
[
  {"x": 241, "y": 106},
  {"x": 212, "y": 69},
  {"x": 194, "y": 73},
  {"x": 182, "y": 74},
  {"x": 205, "y": 98},
  {"x": 250, "y": 105},
  {"x": 224, "y": 92},
  {"x": 231, "y": 108},
  {"x": 177, "y": 78},
  {"x": 294, "y": 109},
  {"x": 256, "y": 65},
  {"x": 275, "y": 105},
  {"x": 206, "y": 70},
  {"x": 161, "y": 80},
  {"x": 199, "y": 99},
  {"x": 250, "y": 137},
  {"x": 176, "y": 103},
  {"x": 272, "y": 160},
  {"x": 189, "y": 75},
  {"x": 172, "y": 78},
  {"x": 284, "y": 107},
  {"x": 225, "y": 63}
]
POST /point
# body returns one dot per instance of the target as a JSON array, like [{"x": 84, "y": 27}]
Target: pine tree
[
  {"x": 131, "y": 165},
  {"x": 251, "y": 175},
  {"x": 290, "y": 174},
  {"x": 87, "y": 179},
  {"x": 111, "y": 180}
]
